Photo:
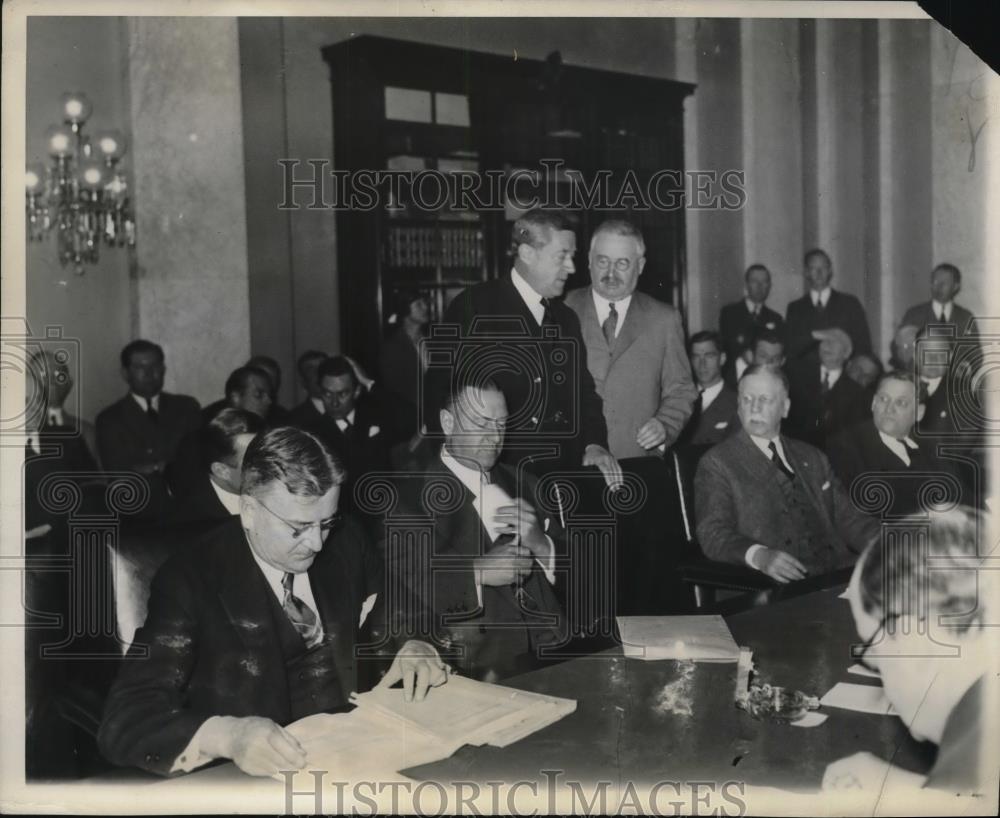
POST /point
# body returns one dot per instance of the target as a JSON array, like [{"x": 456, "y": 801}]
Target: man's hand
[
  {"x": 360, "y": 373},
  {"x": 420, "y": 668},
  {"x": 779, "y": 565},
  {"x": 595, "y": 455},
  {"x": 257, "y": 745},
  {"x": 652, "y": 434},
  {"x": 502, "y": 565},
  {"x": 520, "y": 519}
]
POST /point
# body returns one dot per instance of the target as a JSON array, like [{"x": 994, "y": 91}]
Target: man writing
[{"x": 256, "y": 626}]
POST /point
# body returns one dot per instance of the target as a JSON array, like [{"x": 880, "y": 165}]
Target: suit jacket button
[{"x": 149, "y": 757}]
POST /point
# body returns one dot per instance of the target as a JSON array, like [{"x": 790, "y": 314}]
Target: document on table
[
  {"x": 862, "y": 698},
  {"x": 692, "y": 638}
]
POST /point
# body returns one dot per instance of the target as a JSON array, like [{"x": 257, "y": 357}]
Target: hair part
[{"x": 296, "y": 459}]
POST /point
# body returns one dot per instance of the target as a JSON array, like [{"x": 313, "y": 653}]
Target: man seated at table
[
  {"x": 924, "y": 616},
  {"x": 772, "y": 502},
  {"x": 255, "y": 626},
  {"x": 495, "y": 604}
]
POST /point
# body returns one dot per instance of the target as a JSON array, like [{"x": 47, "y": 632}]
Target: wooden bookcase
[{"x": 408, "y": 106}]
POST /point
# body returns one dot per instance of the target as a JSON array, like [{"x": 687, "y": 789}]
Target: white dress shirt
[
  {"x": 764, "y": 444},
  {"x": 710, "y": 393},
  {"x": 155, "y": 400},
  {"x": 230, "y": 501},
  {"x": 741, "y": 367},
  {"x": 54, "y": 416},
  {"x": 603, "y": 307},
  {"x": 898, "y": 447},
  {"x": 942, "y": 310},
  {"x": 932, "y": 385},
  {"x": 343, "y": 423},
  {"x": 823, "y": 296},
  {"x": 752, "y": 307},
  {"x": 472, "y": 479},
  {"x": 528, "y": 294}
]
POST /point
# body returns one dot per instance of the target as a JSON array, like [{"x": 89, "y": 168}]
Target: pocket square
[
  {"x": 373, "y": 430},
  {"x": 722, "y": 425},
  {"x": 769, "y": 325},
  {"x": 826, "y": 485}
]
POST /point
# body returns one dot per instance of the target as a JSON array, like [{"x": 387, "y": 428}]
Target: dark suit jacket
[
  {"x": 214, "y": 647},
  {"x": 646, "y": 374},
  {"x": 200, "y": 504},
  {"x": 501, "y": 637},
  {"x": 715, "y": 424},
  {"x": 127, "y": 438},
  {"x": 814, "y": 416},
  {"x": 842, "y": 310},
  {"x": 963, "y": 764},
  {"x": 401, "y": 374},
  {"x": 737, "y": 505},
  {"x": 920, "y": 315},
  {"x": 59, "y": 453},
  {"x": 737, "y": 326},
  {"x": 552, "y": 399},
  {"x": 304, "y": 415}
]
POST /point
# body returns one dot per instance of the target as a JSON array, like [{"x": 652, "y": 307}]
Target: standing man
[
  {"x": 256, "y": 627},
  {"x": 946, "y": 282},
  {"x": 518, "y": 334},
  {"x": 739, "y": 321},
  {"x": 823, "y": 307},
  {"x": 772, "y": 502},
  {"x": 142, "y": 431},
  {"x": 714, "y": 416},
  {"x": 635, "y": 347}
]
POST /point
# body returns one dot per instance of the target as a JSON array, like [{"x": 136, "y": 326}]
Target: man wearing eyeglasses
[
  {"x": 255, "y": 627},
  {"x": 635, "y": 347},
  {"x": 773, "y": 502}
]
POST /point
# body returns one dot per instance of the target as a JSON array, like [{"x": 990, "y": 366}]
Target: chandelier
[{"x": 83, "y": 193}]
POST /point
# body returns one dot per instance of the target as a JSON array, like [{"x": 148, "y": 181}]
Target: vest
[{"x": 812, "y": 546}]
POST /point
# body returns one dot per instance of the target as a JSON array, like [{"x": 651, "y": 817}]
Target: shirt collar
[
  {"x": 764, "y": 445},
  {"x": 932, "y": 384},
  {"x": 529, "y": 296},
  {"x": 343, "y": 422},
  {"x": 834, "y": 374},
  {"x": 469, "y": 477},
  {"x": 55, "y": 417},
  {"x": 320, "y": 406},
  {"x": 142, "y": 401},
  {"x": 751, "y": 306},
  {"x": 938, "y": 307},
  {"x": 230, "y": 501},
  {"x": 603, "y": 307},
  {"x": 891, "y": 441},
  {"x": 710, "y": 393},
  {"x": 823, "y": 295}
]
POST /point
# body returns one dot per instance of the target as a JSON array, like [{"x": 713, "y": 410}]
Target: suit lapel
[
  {"x": 589, "y": 325},
  {"x": 634, "y": 322}
]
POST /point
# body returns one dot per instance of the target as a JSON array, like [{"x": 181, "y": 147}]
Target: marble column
[{"x": 191, "y": 270}]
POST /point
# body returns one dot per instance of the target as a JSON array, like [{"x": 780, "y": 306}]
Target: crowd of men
[{"x": 778, "y": 419}]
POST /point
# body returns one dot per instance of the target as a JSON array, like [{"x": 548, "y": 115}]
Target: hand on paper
[
  {"x": 256, "y": 745},
  {"x": 419, "y": 667},
  {"x": 520, "y": 519}
]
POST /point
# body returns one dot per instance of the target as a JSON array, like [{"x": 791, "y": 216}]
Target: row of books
[{"x": 433, "y": 247}]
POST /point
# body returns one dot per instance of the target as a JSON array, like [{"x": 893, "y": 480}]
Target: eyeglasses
[
  {"x": 622, "y": 265},
  {"x": 298, "y": 529},
  {"x": 762, "y": 401}
]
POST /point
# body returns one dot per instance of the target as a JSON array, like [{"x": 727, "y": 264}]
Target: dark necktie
[
  {"x": 301, "y": 615},
  {"x": 547, "y": 320},
  {"x": 776, "y": 459},
  {"x": 819, "y": 305},
  {"x": 151, "y": 412},
  {"x": 824, "y": 385},
  {"x": 610, "y": 325},
  {"x": 755, "y": 313},
  {"x": 348, "y": 430}
]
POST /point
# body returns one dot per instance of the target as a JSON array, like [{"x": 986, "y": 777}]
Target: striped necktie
[{"x": 301, "y": 615}]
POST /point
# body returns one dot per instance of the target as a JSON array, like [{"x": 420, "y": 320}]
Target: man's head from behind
[
  {"x": 543, "y": 243},
  {"x": 289, "y": 492},
  {"x": 707, "y": 357},
  {"x": 768, "y": 349},
  {"x": 52, "y": 371},
  {"x": 224, "y": 441},
  {"x": 617, "y": 258},
  {"x": 338, "y": 387},
  {"x": 895, "y": 407},
  {"x": 946, "y": 281},
  {"x": 474, "y": 421},
  {"x": 864, "y": 370},
  {"x": 758, "y": 283},
  {"x": 249, "y": 388},
  {"x": 143, "y": 368},
  {"x": 308, "y": 367},
  {"x": 835, "y": 347},
  {"x": 763, "y": 400},
  {"x": 818, "y": 269}
]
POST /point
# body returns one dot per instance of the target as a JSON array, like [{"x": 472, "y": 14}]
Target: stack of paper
[
  {"x": 468, "y": 712},
  {"x": 692, "y": 638}
]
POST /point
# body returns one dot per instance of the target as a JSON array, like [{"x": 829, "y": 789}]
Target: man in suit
[
  {"x": 494, "y": 603},
  {"x": 311, "y": 409},
  {"x": 824, "y": 399},
  {"x": 142, "y": 431},
  {"x": 515, "y": 331},
  {"x": 256, "y": 627},
  {"x": 247, "y": 388},
  {"x": 823, "y": 307},
  {"x": 766, "y": 349},
  {"x": 740, "y": 320},
  {"x": 772, "y": 502},
  {"x": 946, "y": 282},
  {"x": 942, "y": 365},
  {"x": 277, "y": 415},
  {"x": 214, "y": 493},
  {"x": 885, "y": 446},
  {"x": 55, "y": 378},
  {"x": 714, "y": 417},
  {"x": 635, "y": 347}
]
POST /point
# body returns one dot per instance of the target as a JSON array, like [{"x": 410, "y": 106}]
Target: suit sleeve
[
  {"x": 858, "y": 529},
  {"x": 677, "y": 390},
  {"x": 593, "y": 426},
  {"x": 863, "y": 344},
  {"x": 796, "y": 339},
  {"x": 147, "y": 722},
  {"x": 716, "y": 513}
]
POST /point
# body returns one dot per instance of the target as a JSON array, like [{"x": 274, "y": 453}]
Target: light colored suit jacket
[
  {"x": 739, "y": 502},
  {"x": 646, "y": 375}
]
